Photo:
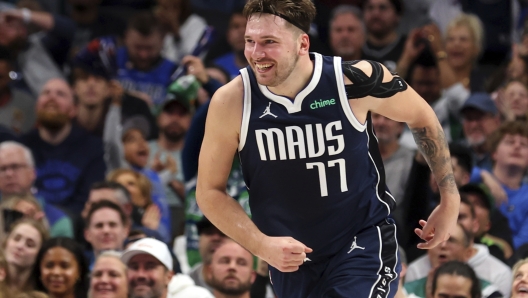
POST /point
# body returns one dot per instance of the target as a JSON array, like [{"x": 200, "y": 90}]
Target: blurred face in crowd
[
  {"x": 22, "y": 246},
  {"x": 387, "y": 130},
  {"x": 136, "y": 148},
  {"x": 16, "y": 175},
  {"x": 108, "y": 279},
  {"x": 231, "y": 269},
  {"x": 147, "y": 277},
  {"x": 461, "y": 175},
  {"x": 380, "y": 17},
  {"x": 347, "y": 35},
  {"x": 143, "y": 51},
  {"x": 59, "y": 271},
  {"x": 461, "y": 47},
  {"x": 512, "y": 151},
  {"x": 210, "y": 238},
  {"x": 168, "y": 12},
  {"x": 235, "y": 32},
  {"x": 13, "y": 33},
  {"x": 466, "y": 219},
  {"x": 520, "y": 282},
  {"x": 91, "y": 90},
  {"x": 453, "y": 249},
  {"x": 55, "y": 105},
  {"x": 131, "y": 183},
  {"x": 426, "y": 82},
  {"x": 174, "y": 121},
  {"x": 106, "y": 230},
  {"x": 516, "y": 98},
  {"x": 448, "y": 285},
  {"x": 478, "y": 126},
  {"x": 482, "y": 214}
]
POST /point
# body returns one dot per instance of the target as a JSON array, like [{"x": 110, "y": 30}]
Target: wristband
[{"x": 26, "y": 15}]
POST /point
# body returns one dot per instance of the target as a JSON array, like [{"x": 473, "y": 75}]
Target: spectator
[
  {"x": 493, "y": 227},
  {"x": 230, "y": 271},
  {"x": 347, "y": 32},
  {"x": 21, "y": 247},
  {"x": 17, "y": 107},
  {"x": 92, "y": 22},
  {"x": 150, "y": 259},
  {"x": 140, "y": 65},
  {"x": 17, "y": 176},
  {"x": 174, "y": 119},
  {"x": 62, "y": 268},
  {"x": 234, "y": 60},
  {"x": 108, "y": 277},
  {"x": 480, "y": 118},
  {"x": 144, "y": 212},
  {"x": 39, "y": 57},
  {"x": 210, "y": 239},
  {"x": 513, "y": 101},
  {"x": 509, "y": 149},
  {"x": 384, "y": 44},
  {"x": 460, "y": 247},
  {"x": 456, "y": 279},
  {"x": 183, "y": 29},
  {"x": 520, "y": 279},
  {"x": 463, "y": 44},
  {"x": 106, "y": 228},
  {"x": 63, "y": 179}
]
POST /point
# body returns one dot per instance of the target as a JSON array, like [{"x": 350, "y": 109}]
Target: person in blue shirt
[
  {"x": 509, "y": 150},
  {"x": 233, "y": 61}
]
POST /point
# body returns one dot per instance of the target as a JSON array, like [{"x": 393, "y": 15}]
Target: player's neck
[{"x": 297, "y": 80}]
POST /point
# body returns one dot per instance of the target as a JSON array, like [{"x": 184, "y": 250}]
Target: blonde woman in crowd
[
  {"x": 108, "y": 277},
  {"x": 520, "y": 279},
  {"x": 20, "y": 248}
]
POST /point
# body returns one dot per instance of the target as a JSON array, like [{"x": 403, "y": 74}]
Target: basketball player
[{"x": 301, "y": 125}]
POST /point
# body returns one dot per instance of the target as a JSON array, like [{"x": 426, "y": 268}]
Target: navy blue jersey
[{"x": 313, "y": 171}]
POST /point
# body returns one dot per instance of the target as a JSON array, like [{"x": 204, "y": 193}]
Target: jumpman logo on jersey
[
  {"x": 354, "y": 246},
  {"x": 268, "y": 112}
]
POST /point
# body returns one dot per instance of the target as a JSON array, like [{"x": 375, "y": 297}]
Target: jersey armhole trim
[
  {"x": 246, "y": 110},
  {"x": 343, "y": 97}
]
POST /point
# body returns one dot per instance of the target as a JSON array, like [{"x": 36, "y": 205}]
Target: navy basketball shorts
[{"x": 367, "y": 267}]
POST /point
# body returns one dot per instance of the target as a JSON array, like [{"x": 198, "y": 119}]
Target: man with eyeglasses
[{"x": 17, "y": 175}]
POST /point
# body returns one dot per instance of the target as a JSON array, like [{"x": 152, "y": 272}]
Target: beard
[
  {"x": 173, "y": 132},
  {"x": 243, "y": 287},
  {"x": 52, "y": 120}
]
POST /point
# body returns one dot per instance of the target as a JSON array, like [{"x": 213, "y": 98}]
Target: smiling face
[
  {"x": 59, "y": 271},
  {"x": 460, "y": 47},
  {"x": 22, "y": 246},
  {"x": 106, "y": 230},
  {"x": 136, "y": 148},
  {"x": 271, "y": 49},
  {"x": 108, "y": 279},
  {"x": 147, "y": 277}
]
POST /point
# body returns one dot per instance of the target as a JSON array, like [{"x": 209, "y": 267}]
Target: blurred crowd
[{"x": 103, "y": 106}]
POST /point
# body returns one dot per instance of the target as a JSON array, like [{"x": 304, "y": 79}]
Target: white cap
[{"x": 150, "y": 246}]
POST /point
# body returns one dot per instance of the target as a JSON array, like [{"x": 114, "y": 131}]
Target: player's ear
[{"x": 304, "y": 41}]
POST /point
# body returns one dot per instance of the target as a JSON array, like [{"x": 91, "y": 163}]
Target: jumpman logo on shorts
[
  {"x": 354, "y": 246},
  {"x": 268, "y": 112}
]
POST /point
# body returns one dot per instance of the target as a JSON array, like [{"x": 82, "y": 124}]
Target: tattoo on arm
[{"x": 436, "y": 151}]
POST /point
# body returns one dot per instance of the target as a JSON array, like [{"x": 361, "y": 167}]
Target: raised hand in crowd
[
  {"x": 196, "y": 67},
  {"x": 496, "y": 189},
  {"x": 151, "y": 218}
]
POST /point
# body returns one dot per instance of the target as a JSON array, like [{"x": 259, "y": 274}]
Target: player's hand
[
  {"x": 283, "y": 253},
  {"x": 441, "y": 221}
]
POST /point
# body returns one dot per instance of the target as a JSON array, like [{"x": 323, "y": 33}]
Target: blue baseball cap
[{"x": 481, "y": 101}]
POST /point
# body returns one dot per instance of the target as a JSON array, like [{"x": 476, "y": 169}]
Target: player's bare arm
[
  {"x": 407, "y": 106},
  {"x": 216, "y": 157}
]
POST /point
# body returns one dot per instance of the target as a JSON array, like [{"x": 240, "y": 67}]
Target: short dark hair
[
  {"x": 458, "y": 268},
  {"x": 463, "y": 156},
  {"x": 464, "y": 200},
  {"x": 299, "y": 13},
  {"x": 507, "y": 128},
  {"x": 398, "y": 6},
  {"x": 145, "y": 23},
  {"x": 426, "y": 59},
  {"x": 106, "y": 204},
  {"x": 112, "y": 185},
  {"x": 76, "y": 250}
]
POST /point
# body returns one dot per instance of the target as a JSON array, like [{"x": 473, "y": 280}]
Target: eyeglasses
[{"x": 16, "y": 167}]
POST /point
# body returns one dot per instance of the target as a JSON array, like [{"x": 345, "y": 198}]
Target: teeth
[
  {"x": 263, "y": 66},
  {"x": 523, "y": 289}
]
